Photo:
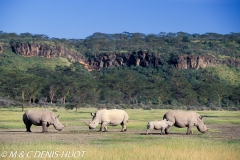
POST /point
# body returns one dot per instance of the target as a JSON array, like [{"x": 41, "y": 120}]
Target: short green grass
[
  {"x": 221, "y": 117},
  {"x": 129, "y": 146}
]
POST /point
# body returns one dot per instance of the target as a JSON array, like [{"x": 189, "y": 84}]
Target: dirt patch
[
  {"x": 224, "y": 131},
  {"x": 81, "y": 135},
  {"x": 74, "y": 135}
]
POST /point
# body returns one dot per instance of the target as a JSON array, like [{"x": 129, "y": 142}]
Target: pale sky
[{"x": 81, "y": 18}]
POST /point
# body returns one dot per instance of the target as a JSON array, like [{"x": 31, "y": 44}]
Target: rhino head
[
  {"x": 57, "y": 125},
  {"x": 169, "y": 123},
  {"x": 94, "y": 123},
  {"x": 200, "y": 126}
]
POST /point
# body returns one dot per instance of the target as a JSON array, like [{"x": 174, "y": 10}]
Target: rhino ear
[
  {"x": 93, "y": 114},
  {"x": 201, "y": 118},
  {"x": 57, "y": 116}
]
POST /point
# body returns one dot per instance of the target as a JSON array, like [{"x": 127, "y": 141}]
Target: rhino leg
[
  {"x": 189, "y": 129},
  {"x": 147, "y": 131},
  {"x": 162, "y": 131},
  {"x": 149, "y": 128},
  {"x": 103, "y": 127},
  {"x": 124, "y": 127},
  {"x": 44, "y": 126},
  {"x": 27, "y": 123},
  {"x": 28, "y": 126},
  {"x": 167, "y": 130}
]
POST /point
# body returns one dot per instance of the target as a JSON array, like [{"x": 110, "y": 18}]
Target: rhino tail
[
  {"x": 25, "y": 118},
  {"x": 126, "y": 118}
]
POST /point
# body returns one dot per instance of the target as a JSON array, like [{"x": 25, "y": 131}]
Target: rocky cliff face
[
  {"x": 194, "y": 62},
  {"x": 46, "y": 50},
  {"x": 108, "y": 60},
  {"x": 203, "y": 61},
  {"x": 145, "y": 59}
]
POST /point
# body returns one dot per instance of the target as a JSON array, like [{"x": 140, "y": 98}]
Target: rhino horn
[{"x": 87, "y": 123}]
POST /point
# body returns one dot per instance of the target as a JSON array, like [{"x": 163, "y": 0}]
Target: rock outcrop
[
  {"x": 145, "y": 59},
  {"x": 46, "y": 50},
  {"x": 109, "y": 60},
  {"x": 140, "y": 58},
  {"x": 194, "y": 62}
]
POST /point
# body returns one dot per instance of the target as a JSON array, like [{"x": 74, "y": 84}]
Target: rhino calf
[
  {"x": 187, "y": 119},
  {"x": 106, "y": 118},
  {"x": 158, "y": 125},
  {"x": 43, "y": 118}
]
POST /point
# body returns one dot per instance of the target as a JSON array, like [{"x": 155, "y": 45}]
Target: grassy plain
[{"x": 76, "y": 141}]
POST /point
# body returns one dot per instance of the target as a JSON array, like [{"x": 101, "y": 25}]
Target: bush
[
  {"x": 5, "y": 102},
  {"x": 54, "y": 110}
]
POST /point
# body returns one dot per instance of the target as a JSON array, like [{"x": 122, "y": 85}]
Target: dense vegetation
[
  {"x": 161, "y": 44},
  {"x": 38, "y": 80}
]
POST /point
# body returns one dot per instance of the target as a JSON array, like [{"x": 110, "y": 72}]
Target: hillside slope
[{"x": 134, "y": 69}]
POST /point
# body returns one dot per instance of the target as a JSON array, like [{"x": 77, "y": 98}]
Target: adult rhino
[
  {"x": 106, "y": 118},
  {"x": 43, "y": 118},
  {"x": 187, "y": 119}
]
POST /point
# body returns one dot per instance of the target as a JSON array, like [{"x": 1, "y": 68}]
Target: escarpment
[
  {"x": 140, "y": 58},
  {"x": 114, "y": 59},
  {"x": 46, "y": 50},
  {"x": 149, "y": 59},
  {"x": 195, "y": 62}
]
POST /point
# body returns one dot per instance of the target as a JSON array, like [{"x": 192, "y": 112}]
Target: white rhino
[
  {"x": 43, "y": 118},
  {"x": 187, "y": 119},
  {"x": 158, "y": 125},
  {"x": 111, "y": 117}
]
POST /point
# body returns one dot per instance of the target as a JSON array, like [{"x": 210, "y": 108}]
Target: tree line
[
  {"x": 161, "y": 44},
  {"x": 73, "y": 86}
]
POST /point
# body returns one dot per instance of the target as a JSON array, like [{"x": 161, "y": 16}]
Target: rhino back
[
  {"x": 37, "y": 116},
  {"x": 181, "y": 118},
  {"x": 159, "y": 124},
  {"x": 114, "y": 116}
]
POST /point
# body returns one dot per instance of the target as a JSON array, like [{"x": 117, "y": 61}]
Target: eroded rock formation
[
  {"x": 46, "y": 50},
  {"x": 194, "y": 62},
  {"x": 1, "y": 47},
  {"x": 108, "y": 60},
  {"x": 140, "y": 58}
]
